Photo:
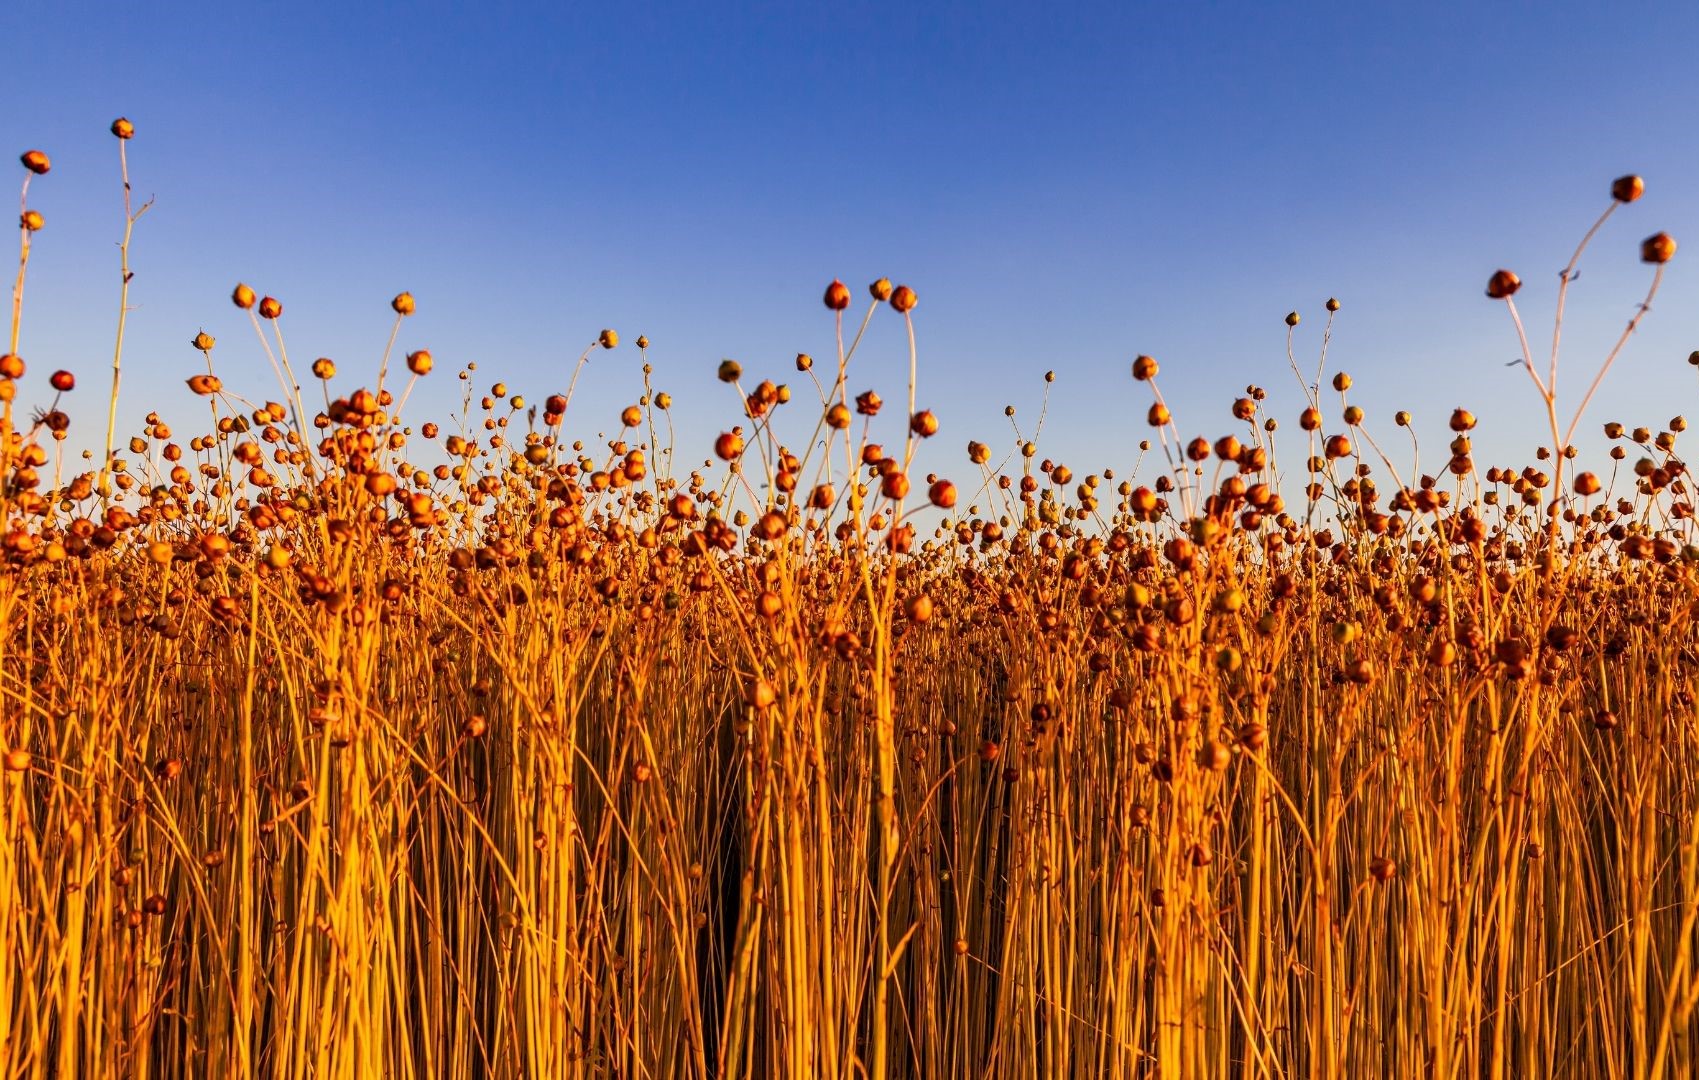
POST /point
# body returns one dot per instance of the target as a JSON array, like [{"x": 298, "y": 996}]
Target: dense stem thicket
[{"x": 320, "y": 762}]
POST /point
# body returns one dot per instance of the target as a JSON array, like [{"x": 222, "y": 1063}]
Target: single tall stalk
[{"x": 125, "y": 276}]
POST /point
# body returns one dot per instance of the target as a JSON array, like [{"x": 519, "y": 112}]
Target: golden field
[{"x": 339, "y": 743}]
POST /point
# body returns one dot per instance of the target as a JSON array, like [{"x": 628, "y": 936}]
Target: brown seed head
[
  {"x": 243, "y": 297},
  {"x": 1626, "y": 189},
  {"x": 837, "y": 295},
  {"x": 404, "y": 304},
  {"x": 1503, "y": 285},
  {"x": 608, "y": 339},
  {"x": 1659, "y": 248},
  {"x": 123, "y": 128},
  {"x": 270, "y": 307},
  {"x": 36, "y": 162},
  {"x": 903, "y": 300},
  {"x": 31, "y": 221},
  {"x": 759, "y": 693},
  {"x": 881, "y": 289}
]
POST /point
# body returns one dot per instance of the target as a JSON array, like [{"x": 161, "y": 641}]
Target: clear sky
[{"x": 1064, "y": 185}]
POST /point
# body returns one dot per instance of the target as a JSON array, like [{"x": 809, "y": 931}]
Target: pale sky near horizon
[{"x": 1064, "y": 188}]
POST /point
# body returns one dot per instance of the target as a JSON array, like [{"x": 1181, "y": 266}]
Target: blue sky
[{"x": 1064, "y": 189}]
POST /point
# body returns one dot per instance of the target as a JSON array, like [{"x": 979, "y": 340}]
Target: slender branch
[
  {"x": 130, "y": 219},
  {"x": 1565, "y": 276},
  {"x": 1527, "y": 353},
  {"x": 1627, "y": 332}
]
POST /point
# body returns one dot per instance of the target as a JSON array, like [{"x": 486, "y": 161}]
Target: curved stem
[
  {"x": 1527, "y": 353},
  {"x": 1565, "y": 276},
  {"x": 1627, "y": 332},
  {"x": 130, "y": 219}
]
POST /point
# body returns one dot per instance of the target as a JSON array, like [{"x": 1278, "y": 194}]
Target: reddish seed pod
[
  {"x": 1503, "y": 285},
  {"x": 760, "y": 694},
  {"x": 1659, "y": 248}
]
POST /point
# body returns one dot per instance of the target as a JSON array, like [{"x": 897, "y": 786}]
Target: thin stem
[
  {"x": 1527, "y": 353},
  {"x": 1627, "y": 332},
  {"x": 17, "y": 318},
  {"x": 573, "y": 385},
  {"x": 383, "y": 365},
  {"x": 130, "y": 220},
  {"x": 1565, "y": 276}
]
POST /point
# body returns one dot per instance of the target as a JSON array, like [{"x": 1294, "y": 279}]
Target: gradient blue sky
[{"x": 1064, "y": 187}]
